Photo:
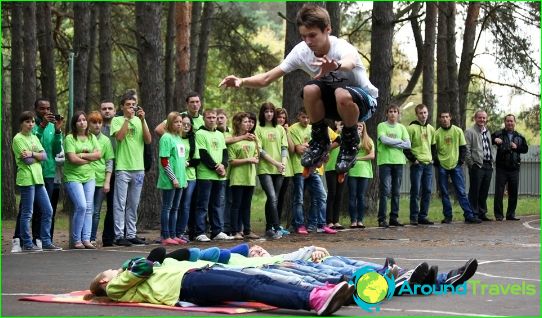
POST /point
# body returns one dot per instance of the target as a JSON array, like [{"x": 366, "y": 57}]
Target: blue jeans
[
  {"x": 317, "y": 210},
  {"x": 29, "y": 195},
  {"x": 210, "y": 200},
  {"x": 227, "y": 227},
  {"x": 357, "y": 187},
  {"x": 207, "y": 287},
  {"x": 99, "y": 197},
  {"x": 456, "y": 174},
  {"x": 271, "y": 184},
  {"x": 184, "y": 211},
  {"x": 390, "y": 183},
  {"x": 170, "y": 207},
  {"x": 128, "y": 185},
  {"x": 421, "y": 177},
  {"x": 49, "y": 184},
  {"x": 240, "y": 208},
  {"x": 82, "y": 198}
]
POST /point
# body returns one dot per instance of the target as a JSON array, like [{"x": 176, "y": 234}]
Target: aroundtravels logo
[{"x": 372, "y": 288}]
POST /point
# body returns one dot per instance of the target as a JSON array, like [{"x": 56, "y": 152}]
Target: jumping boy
[{"x": 340, "y": 89}]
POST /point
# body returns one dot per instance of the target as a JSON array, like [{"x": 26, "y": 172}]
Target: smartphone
[{"x": 58, "y": 117}]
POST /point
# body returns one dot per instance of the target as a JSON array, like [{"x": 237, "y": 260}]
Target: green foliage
[
  {"x": 531, "y": 119},
  {"x": 482, "y": 97}
]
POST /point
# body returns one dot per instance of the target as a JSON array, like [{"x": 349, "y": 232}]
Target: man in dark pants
[
  {"x": 480, "y": 157},
  {"x": 510, "y": 144},
  {"x": 107, "y": 109}
]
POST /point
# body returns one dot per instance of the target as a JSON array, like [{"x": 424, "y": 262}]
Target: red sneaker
[
  {"x": 169, "y": 241},
  {"x": 179, "y": 240},
  {"x": 302, "y": 230}
]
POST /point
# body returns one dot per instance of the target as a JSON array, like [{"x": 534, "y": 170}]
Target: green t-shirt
[
  {"x": 51, "y": 143},
  {"x": 245, "y": 174},
  {"x": 129, "y": 152},
  {"x": 271, "y": 140},
  {"x": 107, "y": 154},
  {"x": 197, "y": 122},
  {"x": 299, "y": 135},
  {"x": 74, "y": 172},
  {"x": 27, "y": 175},
  {"x": 214, "y": 143},
  {"x": 387, "y": 154},
  {"x": 448, "y": 142},
  {"x": 172, "y": 147},
  {"x": 421, "y": 139},
  {"x": 190, "y": 171},
  {"x": 362, "y": 168},
  {"x": 334, "y": 153}
]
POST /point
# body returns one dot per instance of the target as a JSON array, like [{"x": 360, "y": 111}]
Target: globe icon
[{"x": 372, "y": 288}]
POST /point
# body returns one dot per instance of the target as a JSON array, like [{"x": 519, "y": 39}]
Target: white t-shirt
[{"x": 302, "y": 56}]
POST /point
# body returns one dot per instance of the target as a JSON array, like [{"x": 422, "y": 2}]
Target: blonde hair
[
  {"x": 237, "y": 121},
  {"x": 169, "y": 122},
  {"x": 365, "y": 141},
  {"x": 96, "y": 287}
]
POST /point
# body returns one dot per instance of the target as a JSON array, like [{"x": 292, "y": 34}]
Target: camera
[
  {"x": 136, "y": 108},
  {"x": 58, "y": 117}
]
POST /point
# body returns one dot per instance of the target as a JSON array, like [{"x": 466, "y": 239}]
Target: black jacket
[{"x": 508, "y": 158}]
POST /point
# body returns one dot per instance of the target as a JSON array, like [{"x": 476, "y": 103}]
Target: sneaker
[
  {"x": 302, "y": 230},
  {"x": 210, "y": 254},
  {"x": 463, "y": 273},
  {"x": 222, "y": 236},
  {"x": 202, "y": 238},
  {"x": 122, "y": 242},
  {"x": 184, "y": 237},
  {"x": 393, "y": 272},
  {"x": 389, "y": 262},
  {"x": 413, "y": 276},
  {"x": 39, "y": 243},
  {"x": 485, "y": 218},
  {"x": 16, "y": 245},
  {"x": 431, "y": 277},
  {"x": 326, "y": 229},
  {"x": 414, "y": 223},
  {"x": 137, "y": 241},
  {"x": 511, "y": 218},
  {"x": 51, "y": 248},
  {"x": 107, "y": 243},
  {"x": 425, "y": 222},
  {"x": 284, "y": 231},
  {"x": 238, "y": 236},
  {"x": 446, "y": 221},
  {"x": 383, "y": 224},
  {"x": 179, "y": 240},
  {"x": 311, "y": 229},
  {"x": 473, "y": 220},
  {"x": 32, "y": 248},
  {"x": 169, "y": 242},
  {"x": 327, "y": 299},
  {"x": 337, "y": 226},
  {"x": 272, "y": 234},
  {"x": 251, "y": 236},
  {"x": 396, "y": 223}
]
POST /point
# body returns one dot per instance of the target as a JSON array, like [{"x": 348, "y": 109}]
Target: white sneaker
[
  {"x": 16, "y": 245},
  {"x": 222, "y": 236},
  {"x": 38, "y": 243},
  {"x": 202, "y": 238}
]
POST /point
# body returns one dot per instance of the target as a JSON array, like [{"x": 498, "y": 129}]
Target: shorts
[{"x": 328, "y": 84}]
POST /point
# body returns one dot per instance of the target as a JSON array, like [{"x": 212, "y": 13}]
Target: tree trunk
[
  {"x": 169, "y": 60},
  {"x": 452, "y": 64},
  {"x": 203, "y": 48},
  {"x": 428, "y": 89},
  {"x": 106, "y": 75},
  {"x": 467, "y": 53},
  {"x": 182, "y": 13},
  {"x": 195, "y": 29},
  {"x": 81, "y": 46},
  {"x": 443, "y": 103},
  {"x": 151, "y": 83},
  {"x": 381, "y": 70},
  {"x": 16, "y": 65},
  {"x": 47, "y": 57},
  {"x": 91, "y": 56},
  {"x": 334, "y": 9},
  {"x": 30, "y": 49}
]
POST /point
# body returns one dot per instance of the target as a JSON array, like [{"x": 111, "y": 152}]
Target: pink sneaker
[
  {"x": 169, "y": 241},
  {"x": 326, "y": 229},
  {"x": 328, "y": 299},
  {"x": 302, "y": 230},
  {"x": 179, "y": 240}
]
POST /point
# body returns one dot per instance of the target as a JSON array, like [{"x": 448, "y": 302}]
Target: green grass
[{"x": 527, "y": 205}]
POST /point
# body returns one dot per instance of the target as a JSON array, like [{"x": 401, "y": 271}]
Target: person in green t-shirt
[
  {"x": 271, "y": 168},
  {"x": 282, "y": 120},
  {"x": 29, "y": 153},
  {"x": 392, "y": 138},
  {"x": 451, "y": 151},
  {"x": 193, "y": 106},
  {"x": 211, "y": 176},
  {"x": 81, "y": 148},
  {"x": 171, "y": 177},
  {"x": 103, "y": 168},
  {"x": 243, "y": 157},
  {"x": 358, "y": 178},
  {"x": 422, "y": 138}
]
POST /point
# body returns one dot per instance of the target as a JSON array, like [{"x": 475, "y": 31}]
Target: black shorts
[{"x": 328, "y": 85}]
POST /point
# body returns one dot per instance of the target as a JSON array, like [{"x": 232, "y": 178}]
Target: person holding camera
[
  {"x": 510, "y": 144},
  {"x": 131, "y": 132}
]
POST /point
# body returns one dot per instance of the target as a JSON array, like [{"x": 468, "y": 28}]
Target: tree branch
[{"x": 504, "y": 84}]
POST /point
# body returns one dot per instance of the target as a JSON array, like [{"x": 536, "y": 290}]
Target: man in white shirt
[{"x": 340, "y": 89}]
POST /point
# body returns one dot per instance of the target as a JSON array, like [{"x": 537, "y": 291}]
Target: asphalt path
[{"x": 508, "y": 254}]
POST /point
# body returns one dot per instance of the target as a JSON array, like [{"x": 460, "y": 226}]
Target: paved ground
[{"x": 508, "y": 253}]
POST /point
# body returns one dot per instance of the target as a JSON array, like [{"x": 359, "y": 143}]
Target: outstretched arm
[{"x": 256, "y": 81}]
